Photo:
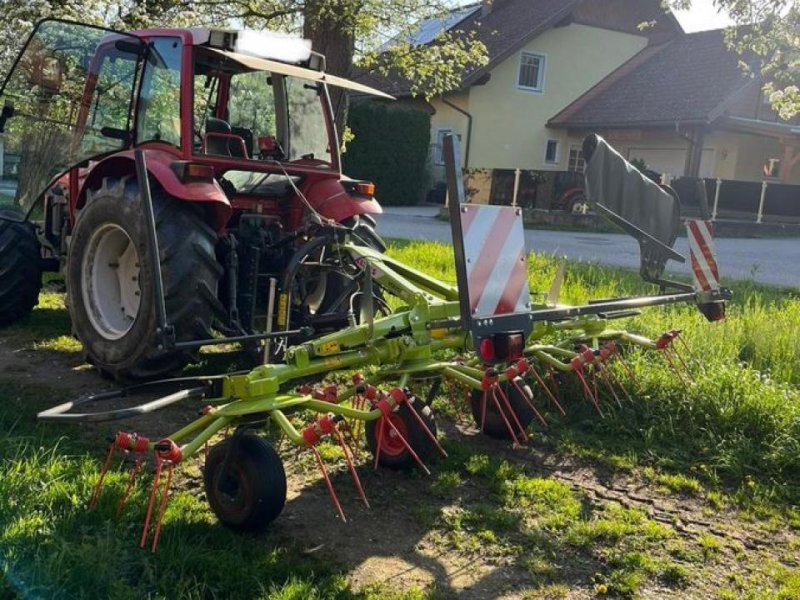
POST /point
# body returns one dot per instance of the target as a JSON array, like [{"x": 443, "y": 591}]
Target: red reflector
[
  {"x": 487, "y": 349},
  {"x": 196, "y": 171},
  {"x": 366, "y": 188}
]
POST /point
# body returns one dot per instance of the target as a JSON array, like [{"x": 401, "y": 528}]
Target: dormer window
[{"x": 531, "y": 72}]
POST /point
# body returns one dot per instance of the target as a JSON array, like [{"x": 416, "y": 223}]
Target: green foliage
[
  {"x": 765, "y": 36},
  {"x": 390, "y": 148}
]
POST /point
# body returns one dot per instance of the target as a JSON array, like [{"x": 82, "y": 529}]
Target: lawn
[{"x": 689, "y": 490}]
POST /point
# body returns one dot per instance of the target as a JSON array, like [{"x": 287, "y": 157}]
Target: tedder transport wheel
[
  {"x": 20, "y": 267},
  {"x": 112, "y": 299},
  {"x": 393, "y": 453},
  {"x": 495, "y": 426},
  {"x": 245, "y": 482}
]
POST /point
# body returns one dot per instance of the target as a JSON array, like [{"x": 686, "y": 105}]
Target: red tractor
[{"x": 243, "y": 176}]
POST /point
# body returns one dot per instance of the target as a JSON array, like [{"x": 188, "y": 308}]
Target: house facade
[{"x": 679, "y": 103}]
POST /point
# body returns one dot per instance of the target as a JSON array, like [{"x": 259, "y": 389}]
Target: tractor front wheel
[
  {"x": 110, "y": 283},
  {"x": 245, "y": 482},
  {"x": 20, "y": 267},
  {"x": 383, "y": 438}
]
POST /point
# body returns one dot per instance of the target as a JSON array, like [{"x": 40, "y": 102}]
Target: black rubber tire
[
  {"x": 20, "y": 267},
  {"x": 495, "y": 425},
  {"x": 329, "y": 288},
  {"x": 254, "y": 491},
  {"x": 190, "y": 274},
  {"x": 416, "y": 436}
]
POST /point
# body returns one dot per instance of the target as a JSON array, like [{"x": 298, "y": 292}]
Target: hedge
[{"x": 390, "y": 148}]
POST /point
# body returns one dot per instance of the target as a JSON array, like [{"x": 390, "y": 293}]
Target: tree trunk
[{"x": 330, "y": 29}]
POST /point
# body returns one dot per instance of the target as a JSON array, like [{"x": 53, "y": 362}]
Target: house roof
[
  {"x": 687, "y": 80},
  {"x": 511, "y": 24},
  {"x": 508, "y": 26}
]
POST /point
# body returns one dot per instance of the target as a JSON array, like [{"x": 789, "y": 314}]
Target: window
[
  {"x": 438, "y": 149},
  {"x": 551, "y": 152},
  {"x": 531, "y": 72},
  {"x": 160, "y": 98},
  {"x": 576, "y": 162}
]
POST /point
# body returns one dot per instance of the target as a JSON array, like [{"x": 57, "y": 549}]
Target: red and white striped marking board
[
  {"x": 494, "y": 247},
  {"x": 701, "y": 253}
]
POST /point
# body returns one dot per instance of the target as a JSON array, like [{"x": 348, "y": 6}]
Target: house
[{"x": 560, "y": 69}]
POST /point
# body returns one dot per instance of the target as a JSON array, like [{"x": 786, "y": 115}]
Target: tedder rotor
[{"x": 487, "y": 337}]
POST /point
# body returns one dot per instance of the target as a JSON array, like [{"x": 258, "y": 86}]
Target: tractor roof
[{"x": 263, "y": 51}]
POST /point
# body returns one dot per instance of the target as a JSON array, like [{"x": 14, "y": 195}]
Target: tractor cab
[
  {"x": 236, "y": 133},
  {"x": 241, "y": 119}
]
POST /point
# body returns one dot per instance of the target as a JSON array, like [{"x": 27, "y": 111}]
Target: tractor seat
[{"x": 218, "y": 144}]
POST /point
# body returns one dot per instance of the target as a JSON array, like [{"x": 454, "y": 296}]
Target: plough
[{"x": 486, "y": 337}]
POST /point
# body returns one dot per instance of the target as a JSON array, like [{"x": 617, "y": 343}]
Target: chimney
[{"x": 486, "y": 7}]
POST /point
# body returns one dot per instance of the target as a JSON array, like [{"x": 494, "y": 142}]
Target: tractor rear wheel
[
  {"x": 493, "y": 424},
  {"x": 245, "y": 482},
  {"x": 112, "y": 300},
  {"x": 20, "y": 267},
  {"x": 393, "y": 452}
]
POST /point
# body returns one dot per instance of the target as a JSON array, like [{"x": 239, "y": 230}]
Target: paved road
[{"x": 769, "y": 261}]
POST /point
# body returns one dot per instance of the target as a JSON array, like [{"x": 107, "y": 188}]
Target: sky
[{"x": 702, "y": 16}]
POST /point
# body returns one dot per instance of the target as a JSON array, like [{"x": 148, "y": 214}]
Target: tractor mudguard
[
  {"x": 159, "y": 167},
  {"x": 331, "y": 200}
]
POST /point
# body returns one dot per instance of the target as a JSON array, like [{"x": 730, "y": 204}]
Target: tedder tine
[
  {"x": 166, "y": 451},
  {"x": 503, "y": 416},
  {"x": 546, "y": 389},
  {"x": 99, "y": 486},
  {"x": 331, "y": 491},
  {"x": 137, "y": 465},
  {"x": 512, "y": 412},
  {"x": 348, "y": 456},
  {"x": 529, "y": 402},
  {"x": 603, "y": 372}
]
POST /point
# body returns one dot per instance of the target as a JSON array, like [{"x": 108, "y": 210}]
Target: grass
[
  {"x": 737, "y": 422},
  {"x": 730, "y": 438},
  {"x": 553, "y": 530}
]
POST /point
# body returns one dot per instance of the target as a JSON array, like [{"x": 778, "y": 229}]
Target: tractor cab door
[{"x": 67, "y": 100}]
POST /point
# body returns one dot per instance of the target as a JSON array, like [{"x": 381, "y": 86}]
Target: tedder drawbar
[{"x": 487, "y": 337}]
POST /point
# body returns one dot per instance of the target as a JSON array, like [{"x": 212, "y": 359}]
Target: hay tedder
[
  {"x": 487, "y": 344},
  {"x": 174, "y": 231}
]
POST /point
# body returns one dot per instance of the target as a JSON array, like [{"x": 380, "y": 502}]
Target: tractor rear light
[
  {"x": 502, "y": 347},
  {"x": 190, "y": 172},
  {"x": 487, "y": 350}
]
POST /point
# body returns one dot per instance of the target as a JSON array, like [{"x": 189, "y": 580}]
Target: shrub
[{"x": 390, "y": 148}]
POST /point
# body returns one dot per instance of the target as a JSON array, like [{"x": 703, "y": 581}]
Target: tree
[
  {"x": 357, "y": 31},
  {"x": 767, "y": 37}
]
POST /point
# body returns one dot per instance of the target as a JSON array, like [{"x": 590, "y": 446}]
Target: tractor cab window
[
  {"x": 308, "y": 131},
  {"x": 66, "y": 101},
  {"x": 159, "y": 117},
  {"x": 244, "y": 112},
  {"x": 109, "y": 109},
  {"x": 251, "y": 107}
]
